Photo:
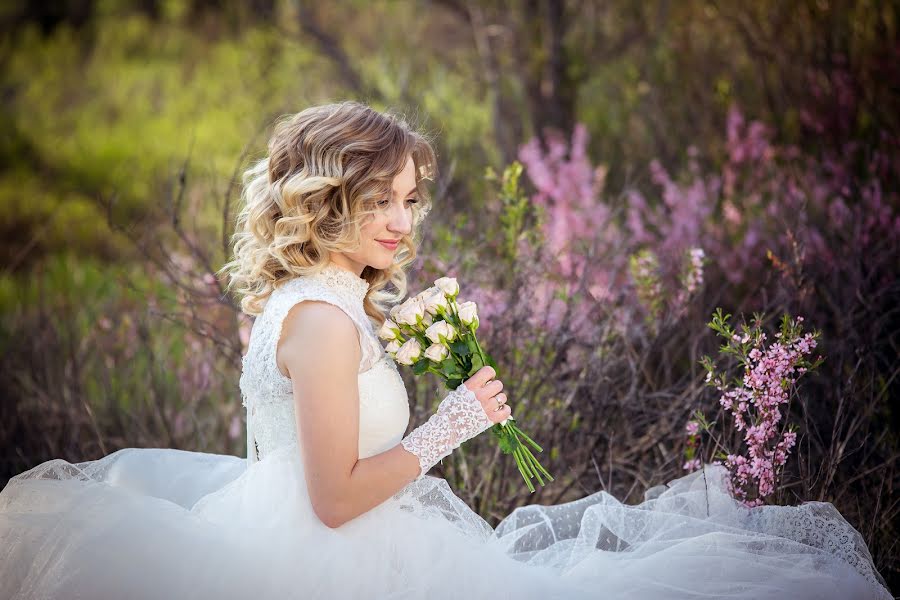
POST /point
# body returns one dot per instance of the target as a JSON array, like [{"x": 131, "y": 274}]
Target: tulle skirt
[{"x": 164, "y": 523}]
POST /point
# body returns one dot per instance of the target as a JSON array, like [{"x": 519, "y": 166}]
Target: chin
[{"x": 382, "y": 263}]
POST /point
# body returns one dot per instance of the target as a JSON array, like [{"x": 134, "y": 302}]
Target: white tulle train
[{"x": 164, "y": 523}]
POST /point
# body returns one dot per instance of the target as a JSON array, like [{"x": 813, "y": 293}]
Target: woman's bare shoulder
[{"x": 316, "y": 334}]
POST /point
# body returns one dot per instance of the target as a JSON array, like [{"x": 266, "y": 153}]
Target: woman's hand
[{"x": 488, "y": 391}]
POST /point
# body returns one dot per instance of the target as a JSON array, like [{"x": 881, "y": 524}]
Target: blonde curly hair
[{"x": 326, "y": 168}]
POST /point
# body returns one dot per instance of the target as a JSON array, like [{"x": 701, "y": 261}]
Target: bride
[{"x": 334, "y": 499}]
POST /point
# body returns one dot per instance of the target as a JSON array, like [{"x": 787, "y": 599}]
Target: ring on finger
[{"x": 500, "y": 402}]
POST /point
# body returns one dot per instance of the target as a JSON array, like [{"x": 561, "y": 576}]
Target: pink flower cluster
[
  {"x": 763, "y": 197},
  {"x": 574, "y": 218},
  {"x": 756, "y": 403},
  {"x": 693, "y": 277},
  {"x": 762, "y": 203},
  {"x": 692, "y": 461},
  {"x": 691, "y": 465},
  {"x": 568, "y": 188}
]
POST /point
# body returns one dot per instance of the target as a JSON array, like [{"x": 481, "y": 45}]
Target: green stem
[
  {"x": 452, "y": 318},
  {"x": 512, "y": 437},
  {"x": 520, "y": 451},
  {"x": 480, "y": 351},
  {"x": 528, "y": 439},
  {"x": 432, "y": 369},
  {"x": 530, "y": 461},
  {"x": 423, "y": 341},
  {"x": 521, "y": 466},
  {"x": 541, "y": 468}
]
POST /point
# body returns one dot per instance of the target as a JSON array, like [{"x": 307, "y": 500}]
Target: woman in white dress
[{"x": 333, "y": 500}]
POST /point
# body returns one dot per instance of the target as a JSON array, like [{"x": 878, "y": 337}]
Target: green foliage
[
  {"x": 516, "y": 210},
  {"x": 644, "y": 268},
  {"x": 119, "y": 120}
]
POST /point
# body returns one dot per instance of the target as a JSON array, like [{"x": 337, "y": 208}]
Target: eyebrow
[{"x": 411, "y": 191}]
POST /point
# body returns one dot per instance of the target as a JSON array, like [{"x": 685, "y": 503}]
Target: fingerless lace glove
[{"x": 459, "y": 417}]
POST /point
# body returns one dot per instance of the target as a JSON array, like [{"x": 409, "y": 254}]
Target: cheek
[{"x": 372, "y": 229}]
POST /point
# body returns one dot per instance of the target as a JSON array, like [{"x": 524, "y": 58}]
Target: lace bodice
[{"x": 268, "y": 394}]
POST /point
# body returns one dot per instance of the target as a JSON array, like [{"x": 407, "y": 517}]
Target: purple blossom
[
  {"x": 756, "y": 403},
  {"x": 691, "y": 465}
]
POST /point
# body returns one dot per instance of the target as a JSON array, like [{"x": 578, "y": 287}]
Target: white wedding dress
[{"x": 170, "y": 524}]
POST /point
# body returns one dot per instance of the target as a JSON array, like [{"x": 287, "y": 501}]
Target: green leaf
[
  {"x": 507, "y": 443},
  {"x": 476, "y": 364},
  {"x": 461, "y": 349},
  {"x": 421, "y": 366}
]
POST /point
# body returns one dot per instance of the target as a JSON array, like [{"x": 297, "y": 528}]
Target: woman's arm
[{"x": 326, "y": 404}]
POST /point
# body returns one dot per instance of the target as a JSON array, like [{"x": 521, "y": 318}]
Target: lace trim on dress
[{"x": 337, "y": 277}]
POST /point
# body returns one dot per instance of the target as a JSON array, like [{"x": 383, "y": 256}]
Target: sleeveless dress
[{"x": 169, "y": 524}]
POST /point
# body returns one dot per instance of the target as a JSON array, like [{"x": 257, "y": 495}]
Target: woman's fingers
[
  {"x": 488, "y": 391},
  {"x": 482, "y": 376},
  {"x": 499, "y": 415},
  {"x": 492, "y": 388}
]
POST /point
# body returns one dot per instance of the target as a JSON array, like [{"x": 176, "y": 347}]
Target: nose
[{"x": 400, "y": 222}]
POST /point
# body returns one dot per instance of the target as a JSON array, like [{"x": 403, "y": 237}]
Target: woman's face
[{"x": 392, "y": 222}]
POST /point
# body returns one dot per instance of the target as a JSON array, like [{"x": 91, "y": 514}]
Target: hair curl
[{"x": 326, "y": 168}]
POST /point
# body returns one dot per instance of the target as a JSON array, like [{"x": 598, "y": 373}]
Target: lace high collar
[{"x": 340, "y": 278}]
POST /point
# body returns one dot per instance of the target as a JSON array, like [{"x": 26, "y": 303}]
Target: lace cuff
[{"x": 459, "y": 417}]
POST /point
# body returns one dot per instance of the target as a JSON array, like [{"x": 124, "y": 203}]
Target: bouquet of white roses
[{"x": 432, "y": 332}]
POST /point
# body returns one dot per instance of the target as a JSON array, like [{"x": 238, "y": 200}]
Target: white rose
[
  {"x": 427, "y": 319},
  {"x": 389, "y": 330},
  {"x": 448, "y": 285},
  {"x": 397, "y": 308},
  {"x": 468, "y": 312},
  {"x": 435, "y": 301},
  {"x": 410, "y": 312},
  {"x": 426, "y": 292},
  {"x": 394, "y": 310},
  {"x": 436, "y": 352},
  {"x": 440, "y": 329},
  {"x": 393, "y": 347},
  {"x": 409, "y": 352}
]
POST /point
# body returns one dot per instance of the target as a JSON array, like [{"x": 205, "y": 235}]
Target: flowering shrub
[
  {"x": 584, "y": 244},
  {"x": 651, "y": 292},
  {"x": 597, "y": 301},
  {"x": 756, "y": 399},
  {"x": 568, "y": 188},
  {"x": 764, "y": 197},
  {"x": 763, "y": 201}
]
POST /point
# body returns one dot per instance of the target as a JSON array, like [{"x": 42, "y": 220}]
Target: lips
[{"x": 389, "y": 244}]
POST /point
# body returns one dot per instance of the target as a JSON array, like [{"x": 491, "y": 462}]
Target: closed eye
[{"x": 385, "y": 202}]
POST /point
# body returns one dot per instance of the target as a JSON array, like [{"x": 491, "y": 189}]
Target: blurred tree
[
  {"x": 829, "y": 70},
  {"x": 48, "y": 15},
  {"x": 536, "y": 54}
]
